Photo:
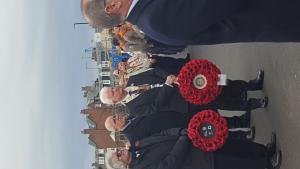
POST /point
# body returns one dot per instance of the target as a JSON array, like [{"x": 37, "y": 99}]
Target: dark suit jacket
[
  {"x": 168, "y": 152},
  {"x": 166, "y": 98},
  {"x": 145, "y": 126},
  {"x": 161, "y": 99},
  {"x": 153, "y": 76},
  {"x": 160, "y": 48},
  {"x": 179, "y": 22},
  {"x": 172, "y": 151},
  {"x": 169, "y": 64},
  {"x": 163, "y": 67}
]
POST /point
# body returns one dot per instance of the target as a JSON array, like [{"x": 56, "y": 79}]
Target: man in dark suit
[
  {"x": 160, "y": 48},
  {"x": 168, "y": 98},
  {"x": 173, "y": 150},
  {"x": 152, "y": 76},
  {"x": 179, "y": 22},
  {"x": 162, "y": 67},
  {"x": 137, "y": 128},
  {"x": 169, "y": 64},
  {"x": 156, "y": 75}
]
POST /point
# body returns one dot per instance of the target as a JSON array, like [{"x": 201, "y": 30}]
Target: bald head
[
  {"x": 110, "y": 124},
  {"x": 94, "y": 13},
  {"x": 115, "y": 123}
]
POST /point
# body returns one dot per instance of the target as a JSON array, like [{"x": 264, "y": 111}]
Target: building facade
[{"x": 98, "y": 135}]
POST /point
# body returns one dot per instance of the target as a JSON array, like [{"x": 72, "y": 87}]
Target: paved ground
[{"x": 281, "y": 63}]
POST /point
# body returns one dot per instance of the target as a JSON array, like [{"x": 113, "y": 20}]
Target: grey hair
[
  {"x": 103, "y": 96},
  {"x": 94, "y": 13},
  {"x": 109, "y": 163}
]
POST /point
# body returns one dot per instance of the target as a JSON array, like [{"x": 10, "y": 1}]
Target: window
[
  {"x": 106, "y": 81},
  {"x": 104, "y": 73},
  {"x": 105, "y": 64},
  {"x": 101, "y": 160},
  {"x": 100, "y": 151}
]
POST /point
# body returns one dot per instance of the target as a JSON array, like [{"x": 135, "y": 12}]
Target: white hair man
[
  {"x": 142, "y": 101},
  {"x": 117, "y": 160},
  {"x": 112, "y": 95},
  {"x": 129, "y": 96},
  {"x": 173, "y": 150}
]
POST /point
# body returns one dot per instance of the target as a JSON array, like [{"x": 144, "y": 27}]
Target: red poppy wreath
[
  {"x": 198, "y": 81},
  {"x": 208, "y": 130}
]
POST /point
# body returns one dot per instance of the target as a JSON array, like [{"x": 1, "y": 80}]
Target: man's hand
[
  {"x": 127, "y": 145},
  {"x": 171, "y": 79}
]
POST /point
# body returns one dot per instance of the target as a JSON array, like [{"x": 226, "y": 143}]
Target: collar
[
  {"x": 135, "y": 12},
  {"x": 125, "y": 100},
  {"x": 129, "y": 121},
  {"x": 134, "y": 2},
  {"x": 128, "y": 97}
]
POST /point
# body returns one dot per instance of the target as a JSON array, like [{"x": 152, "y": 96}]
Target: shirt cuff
[{"x": 169, "y": 85}]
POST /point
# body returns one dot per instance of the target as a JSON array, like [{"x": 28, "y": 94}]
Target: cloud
[{"x": 41, "y": 72}]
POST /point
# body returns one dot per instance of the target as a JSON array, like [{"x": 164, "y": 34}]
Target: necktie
[{"x": 134, "y": 92}]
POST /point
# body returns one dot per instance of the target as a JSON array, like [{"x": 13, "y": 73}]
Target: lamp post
[{"x": 79, "y": 23}]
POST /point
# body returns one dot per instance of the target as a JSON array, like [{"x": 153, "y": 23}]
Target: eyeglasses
[
  {"x": 115, "y": 118},
  {"x": 119, "y": 153}
]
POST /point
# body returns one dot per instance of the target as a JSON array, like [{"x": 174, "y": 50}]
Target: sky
[{"x": 41, "y": 74}]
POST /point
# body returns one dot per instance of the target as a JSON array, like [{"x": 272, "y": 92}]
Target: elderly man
[
  {"x": 179, "y": 22},
  {"x": 137, "y": 128},
  {"x": 158, "y": 72},
  {"x": 140, "y": 63},
  {"x": 173, "y": 150},
  {"x": 140, "y": 100}
]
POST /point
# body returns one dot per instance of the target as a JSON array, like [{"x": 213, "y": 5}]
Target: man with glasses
[
  {"x": 137, "y": 128},
  {"x": 173, "y": 150}
]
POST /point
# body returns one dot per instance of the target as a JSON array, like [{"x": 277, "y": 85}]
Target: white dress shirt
[{"x": 134, "y": 2}]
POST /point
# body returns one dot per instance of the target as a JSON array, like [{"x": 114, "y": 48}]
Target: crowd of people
[{"x": 157, "y": 116}]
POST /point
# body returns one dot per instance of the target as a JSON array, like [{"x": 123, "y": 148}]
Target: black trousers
[
  {"x": 169, "y": 64},
  {"x": 233, "y": 97},
  {"x": 237, "y": 122},
  {"x": 241, "y": 154},
  {"x": 160, "y": 48},
  {"x": 241, "y": 135}
]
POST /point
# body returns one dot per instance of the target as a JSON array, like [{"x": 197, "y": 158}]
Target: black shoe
[
  {"x": 257, "y": 83},
  {"x": 242, "y": 121},
  {"x": 271, "y": 147},
  {"x": 264, "y": 102},
  {"x": 275, "y": 160},
  {"x": 253, "y": 103},
  {"x": 245, "y": 120},
  {"x": 251, "y": 134}
]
